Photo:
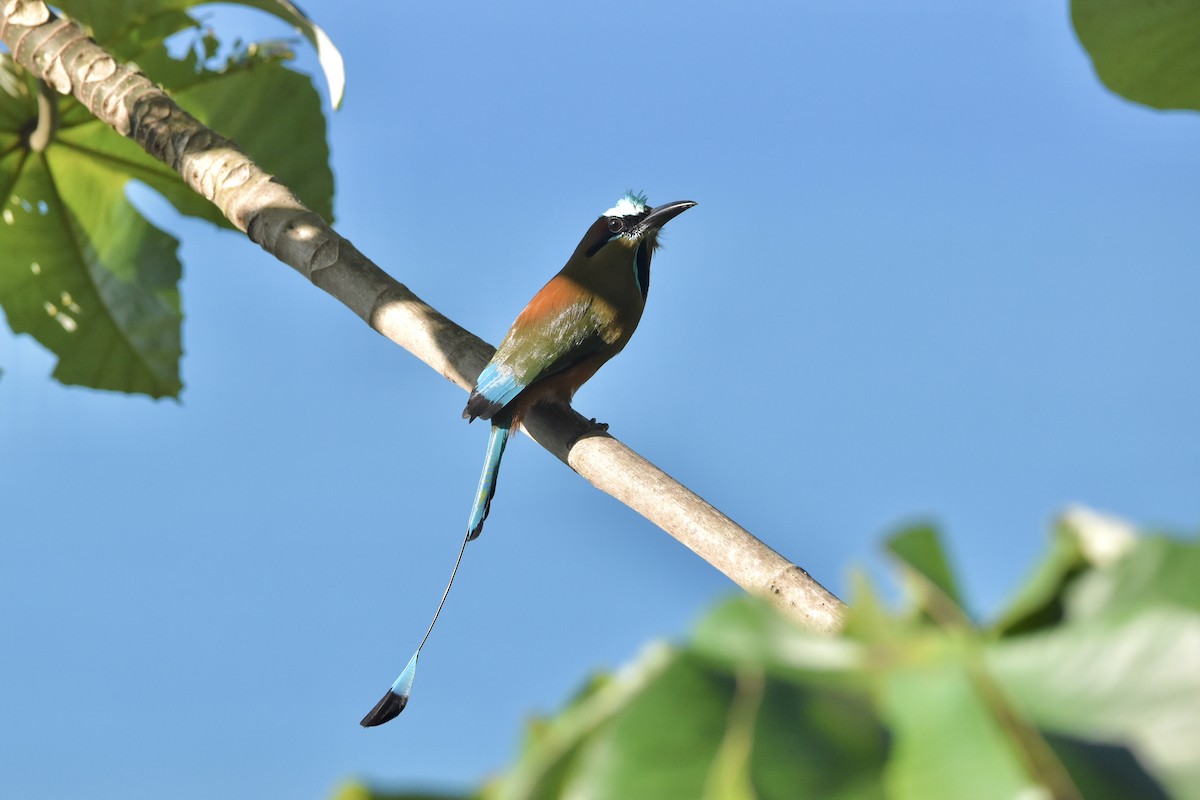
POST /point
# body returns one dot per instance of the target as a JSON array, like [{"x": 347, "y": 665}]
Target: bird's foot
[{"x": 589, "y": 429}]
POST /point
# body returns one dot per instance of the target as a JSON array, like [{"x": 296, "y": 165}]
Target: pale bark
[{"x": 58, "y": 52}]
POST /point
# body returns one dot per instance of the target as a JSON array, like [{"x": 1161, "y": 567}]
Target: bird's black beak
[{"x": 661, "y": 215}]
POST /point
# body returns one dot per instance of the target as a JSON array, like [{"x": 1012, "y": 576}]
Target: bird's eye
[{"x": 615, "y": 225}]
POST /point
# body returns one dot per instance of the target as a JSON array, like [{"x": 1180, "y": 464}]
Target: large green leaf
[
  {"x": 679, "y": 723},
  {"x": 1124, "y": 665},
  {"x": 87, "y": 275},
  {"x": 949, "y": 743},
  {"x": 328, "y": 55},
  {"x": 659, "y": 746},
  {"x": 554, "y": 748},
  {"x": 231, "y": 102},
  {"x": 1147, "y": 51},
  {"x": 84, "y": 272},
  {"x": 1134, "y": 684},
  {"x": 359, "y": 791},
  {"x": 227, "y": 95},
  {"x": 126, "y": 25}
]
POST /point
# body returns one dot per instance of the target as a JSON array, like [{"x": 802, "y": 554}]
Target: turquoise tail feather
[{"x": 487, "y": 480}]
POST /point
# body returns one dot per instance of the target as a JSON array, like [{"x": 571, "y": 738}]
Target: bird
[{"x": 579, "y": 320}]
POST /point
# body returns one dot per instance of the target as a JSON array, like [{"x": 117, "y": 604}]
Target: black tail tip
[{"x": 388, "y": 708}]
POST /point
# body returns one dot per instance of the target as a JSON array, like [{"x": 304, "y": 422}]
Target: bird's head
[{"x": 627, "y": 234}]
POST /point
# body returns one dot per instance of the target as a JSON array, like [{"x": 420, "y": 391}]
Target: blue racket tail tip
[{"x": 396, "y": 698}]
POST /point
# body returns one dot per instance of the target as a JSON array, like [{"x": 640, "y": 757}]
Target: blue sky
[{"x": 937, "y": 272}]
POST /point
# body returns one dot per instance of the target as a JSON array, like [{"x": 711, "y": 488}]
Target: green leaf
[
  {"x": 1148, "y": 52},
  {"x": 231, "y": 103},
  {"x": 1160, "y": 572},
  {"x": 746, "y": 633},
  {"x": 328, "y": 55},
  {"x": 1104, "y": 770},
  {"x": 664, "y": 740},
  {"x": 288, "y": 141},
  {"x": 360, "y": 791},
  {"x": 1119, "y": 668},
  {"x": 1082, "y": 538},
  {"x": 128, "y": 25},
  {"x": 729, "y": 777},
  {"x": 1132, "y": 683},
  {"x": 552, "y": 747},
  {"x": 701, "y": 731},
  {"x": 817, "y": 740},
  {"x": 706, "y": 722},
  {"x": 928, "y": 572},
  {"x": 948, "y": 742},
  {"x": 1039, "y": 603},
  {"x": 88, "y": 276}
]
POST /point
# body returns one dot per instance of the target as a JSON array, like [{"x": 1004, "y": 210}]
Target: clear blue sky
[{"x": 937, "y": 272}]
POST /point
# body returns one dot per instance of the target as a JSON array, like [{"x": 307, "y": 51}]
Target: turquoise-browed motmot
[{"x": 579, "y": 320}]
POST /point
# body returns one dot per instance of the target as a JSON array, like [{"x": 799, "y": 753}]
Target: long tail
[{"x": 396, "y": 697}]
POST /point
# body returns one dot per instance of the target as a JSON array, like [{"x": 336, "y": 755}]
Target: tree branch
[{"x": 58, "y": 52}]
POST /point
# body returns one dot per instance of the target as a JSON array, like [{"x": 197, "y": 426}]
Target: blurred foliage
[
  {"x": 84, "y": 272},
  {"x": 1148, "y": 52},
  {"x": 356, "y": 791},
  {"x": 1085, "y": 687}
]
